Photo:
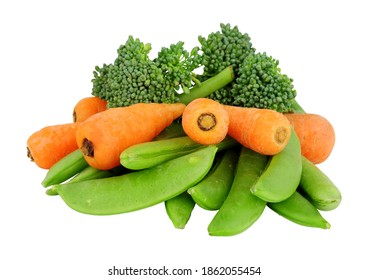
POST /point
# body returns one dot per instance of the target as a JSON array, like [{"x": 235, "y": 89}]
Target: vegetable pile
[{"x": 218, "y": 127}]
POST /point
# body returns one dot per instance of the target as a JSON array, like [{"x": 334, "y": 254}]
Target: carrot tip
[
  {"x": 29, "y": 154},
  {"x": 87, "y": 148},
  {"x": 74, "y": 116},
  {"x": 206, "y": 121}
]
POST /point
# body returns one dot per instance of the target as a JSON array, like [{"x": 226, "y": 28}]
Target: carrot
[
  {"x": 50, "y": 144},
  {"x": 262, "y": 130},
  {"x": 103, "y": 136},
  {"x": 316, "y": 135},
  {"x": 205, "y": 121},
  {"x": 87, "y": 107}
]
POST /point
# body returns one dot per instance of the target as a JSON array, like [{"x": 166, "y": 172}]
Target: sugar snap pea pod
[
  {"x": 51, "y": 191},
  {"x": 146, "y": 155},
  {"x": 317, "y": 187},
  {"x": 149, "y": 154},
  {"x": 241, "y": 208},
  {"x": 140, "y": 189},
  {"x": 179, "y": 209},
  {"x": 175, "y": 129},
  {"x": 299, "y": 210},
  {"x": 65, "y": 168},
  {"x": 212, "y": 191},
  {"x": 92, "y": 173},
  {"x": 282, "y": 174}
]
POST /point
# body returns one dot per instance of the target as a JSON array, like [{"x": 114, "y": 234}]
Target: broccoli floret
[
  {"x": 178, "y": 65},
  {"x": 228, "y": 47},
  {"x": 258, "y": 79},
  {"x": 132, "y": 78},
  {"x": 135, "y": 78},
  {"x": 261, "y": 84},
  {"x": 233, "y": 74}
]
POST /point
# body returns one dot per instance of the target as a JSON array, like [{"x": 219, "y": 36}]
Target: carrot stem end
[
  {"x": 281, "y": 135},
  {"x": 29, "y": 154},
  {"x": 87, "y": 148},
  {"x": 206, "y": 121}
]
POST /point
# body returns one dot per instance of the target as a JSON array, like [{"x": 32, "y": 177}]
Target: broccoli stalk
[{"x": 209, "y": 86}]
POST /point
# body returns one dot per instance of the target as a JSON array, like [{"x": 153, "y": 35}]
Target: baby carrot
[
  {"x": 262, "y": 130},
  {"x": 316, "y": 135},
  {"x": 50, "y": 144},
  {"x": 103, "y": 136},
  {"x": 205, "y": 121},
  {"x": 87, "y": 107}
]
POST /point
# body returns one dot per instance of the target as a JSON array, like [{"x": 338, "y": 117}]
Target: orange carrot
[
  {"x": 205, "y": 121},
  {"x": 87, "y": 107},
  {"x": 50, "y": 144},
  {"x": 316, "y": 135},
  {"x": 103, "y": 136},
  {"x": 262, "y": 130}
]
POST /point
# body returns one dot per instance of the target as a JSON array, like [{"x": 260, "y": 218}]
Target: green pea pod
[
  {"x": 299, "y": 210},
  {"x": 282, "y": 174},
  {"x": 212, "y": 191},
  {"x": 317, "y": 187},
  {"x": 140, "y": 189},
  {"x": 51, "y": 191},
  {"x": 92, "y": 173},
  {"x": 179, "y": 209},
  {"x": 241, "y": 208},
  {"x": 65, "y": 168},
  {"x": 149, "y": 154},
  {"x": 175, "y": 129}
]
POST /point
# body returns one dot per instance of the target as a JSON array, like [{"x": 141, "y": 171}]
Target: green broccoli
[
  {"x": 258, "y": 79},
  {"x": 233, "y": 74},
  {"x": 135, "y": 78},
  {"x": 132, "y": 78},
  {"x": 178, "y": 65},
  {"x": 222, "y": 49},
  {"x": 260, "y": 84}
]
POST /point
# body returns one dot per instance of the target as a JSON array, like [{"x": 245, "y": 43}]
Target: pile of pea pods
[{"x": 232, "y": 181}]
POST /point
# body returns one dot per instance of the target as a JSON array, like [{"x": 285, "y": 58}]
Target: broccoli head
[
  {"x": 135, "y": 78},
  {"x": 233, "y": 74},
  {"x": 258, "y": 79},
  {"x": 178, "y": 65},
  {"x": 261, "y": 84},
  {"x": 228, "y": 47}
]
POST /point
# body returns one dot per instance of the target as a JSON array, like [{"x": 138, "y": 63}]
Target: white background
[{"x": 48, "y": 51}]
